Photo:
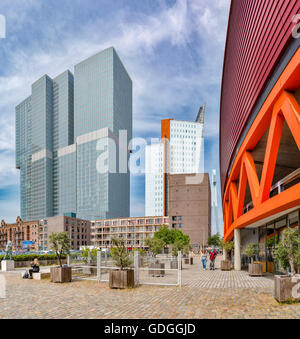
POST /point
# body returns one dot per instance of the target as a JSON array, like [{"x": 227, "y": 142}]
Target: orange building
[{"x": 260, "y": 124}]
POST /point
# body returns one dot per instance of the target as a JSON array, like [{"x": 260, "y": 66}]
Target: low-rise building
[
  {"x": 18, "y": 233},
  {"x": 134, "y": 231}
]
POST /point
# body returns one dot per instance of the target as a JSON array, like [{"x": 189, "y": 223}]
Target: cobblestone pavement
[{"x": 205, "y": 295}]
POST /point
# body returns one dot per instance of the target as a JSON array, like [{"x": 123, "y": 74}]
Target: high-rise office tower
[
  {"x": 67, "y": 136},
  {"x": 179, "y": 152}
]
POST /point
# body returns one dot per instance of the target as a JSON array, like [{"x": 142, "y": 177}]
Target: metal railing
[{"x": 147, "y": 270}]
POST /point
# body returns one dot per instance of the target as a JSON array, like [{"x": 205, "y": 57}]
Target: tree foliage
[
  {"x": 228, "y": 246},
  {"x": 272, "y": 241},
  {"x": 93, "y": 254},
  {"x": 155, "y": 245},
  {"x": 171, "y": 236},
  {"x": 288, "y": 250},
  {"x": 119, "y": 254},
  {"x": 60, "y": 243},
  {"x": 251, "y": 251},
  {"x": 180, "y": 245},
  {"x": 214, "y": 240}
]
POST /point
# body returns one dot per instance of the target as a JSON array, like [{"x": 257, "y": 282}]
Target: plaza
[{"x": 204, "y": 295}]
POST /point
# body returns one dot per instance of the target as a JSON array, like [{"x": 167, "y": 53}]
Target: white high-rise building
[
  {"x": 154, "y": 180},
  {"x": 181, "y": 151}
]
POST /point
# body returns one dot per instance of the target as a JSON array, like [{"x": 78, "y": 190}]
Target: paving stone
[{"x": 204, "y": 294}]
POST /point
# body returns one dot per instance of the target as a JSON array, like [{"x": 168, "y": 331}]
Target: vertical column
[
  {"x": 237, "y": 250},
  {"x": 99, "y": 265},
  {"x": 89, "y": 257},
  {"x": 179, "y": 268},
  {"x": 136, "y": 268}
]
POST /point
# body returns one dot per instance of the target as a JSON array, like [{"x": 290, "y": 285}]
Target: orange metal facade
[{"x": 280, "y": 106}]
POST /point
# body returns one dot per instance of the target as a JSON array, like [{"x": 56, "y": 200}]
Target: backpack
[{"x": 26, "y": 275}]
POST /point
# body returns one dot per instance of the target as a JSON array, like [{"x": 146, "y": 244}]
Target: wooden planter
[
  {"x": 61, "y": 274},
  {"x": 186, "y": 261},
  {"x": 255, "y": 270},
  {"x": 226, "y": 265},
  {"x": 160, "y": 272},
  {"x": 174, "y": 265},
  {"x": 284, "y": 288},
  {"x": 121, "y": 279}
]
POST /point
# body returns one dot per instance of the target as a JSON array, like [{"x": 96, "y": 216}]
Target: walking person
[
  {"x": 204, "y": 259},
  {"x": 212, "y": 257}
]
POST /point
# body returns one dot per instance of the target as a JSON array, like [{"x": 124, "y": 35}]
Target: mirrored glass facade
[{"x": 57, "y": 132}]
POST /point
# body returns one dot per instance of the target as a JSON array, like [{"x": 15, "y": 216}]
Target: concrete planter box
[
  {"x": 121, "y": 279},
  {"x": 283, "y": 290},
  {"x": 7, "y": 265},
  {"x": 160, "y": 272},
  {"x": 226, "y": 265},
  {"x": 255, "y": 270},
  {"x": 61, "y": 274}
]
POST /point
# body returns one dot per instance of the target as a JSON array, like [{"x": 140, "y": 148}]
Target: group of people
[{"x": 211, "y": 254}]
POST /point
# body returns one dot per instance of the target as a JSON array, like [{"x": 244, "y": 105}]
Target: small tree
[
  {"x": 155, "y": 245},
  {"x": 227, "y": 246},
  {"x": 60, "y": 243},
  {"x": 119, "y": 254},
  {"x": 288, "y": 251},
  {"x": 179, "y": 245},
  {"x": 85, "y": 254},
  {"x": 251, "y": 251},
  {"x": 214, "y": 240}
]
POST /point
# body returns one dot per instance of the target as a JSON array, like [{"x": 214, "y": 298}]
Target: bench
[{"x": 41, "y": 275}]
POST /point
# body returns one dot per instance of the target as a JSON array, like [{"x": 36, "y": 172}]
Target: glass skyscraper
[{"x": 64, "y": 129}]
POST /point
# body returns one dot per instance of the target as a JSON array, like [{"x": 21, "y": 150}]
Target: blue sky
[{"x": 172, "y": 49}]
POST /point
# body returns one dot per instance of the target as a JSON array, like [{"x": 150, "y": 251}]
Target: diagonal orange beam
[
  {"x": 252, "y": 177},
  {"x": 272, "y": 149},
  {"x": 291, "y": 112},
  {"x": 242, "y": 190},
  {"x": 234, "y": 199}
]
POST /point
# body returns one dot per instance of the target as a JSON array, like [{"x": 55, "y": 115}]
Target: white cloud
[{"x": 163, "y": 84}]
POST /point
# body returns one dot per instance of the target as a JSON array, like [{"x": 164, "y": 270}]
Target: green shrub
[{"x": 31, "y": 257}]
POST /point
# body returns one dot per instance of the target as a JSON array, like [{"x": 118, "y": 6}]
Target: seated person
[{"x": 35, "y": 267}]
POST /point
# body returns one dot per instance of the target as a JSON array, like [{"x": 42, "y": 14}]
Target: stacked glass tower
[{"x": 66, "y": 133}]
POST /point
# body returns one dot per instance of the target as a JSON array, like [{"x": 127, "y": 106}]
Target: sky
[{"x": 172, "y": 49}]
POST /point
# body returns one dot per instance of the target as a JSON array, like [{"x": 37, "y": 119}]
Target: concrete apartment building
[
  {"x": 134, "y": 231},
  {"x": 19, "y": 232},
  {"x": 190, "y": 207},
  {"x": 62, "y": 129},
  {"x": 78, "y": 231}
]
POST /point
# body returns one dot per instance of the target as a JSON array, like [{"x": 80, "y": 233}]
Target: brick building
[
  {"x": 78, "y": 231},
  {"x": 190, "y": 207},
  {"x": 19, "y": 232}
]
